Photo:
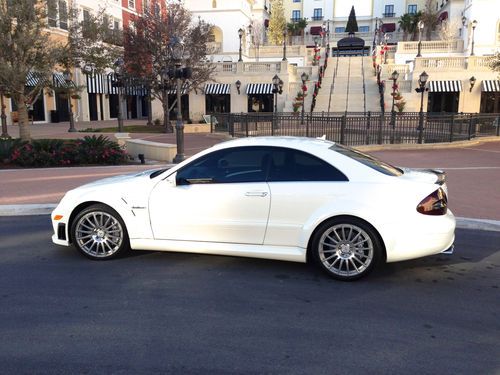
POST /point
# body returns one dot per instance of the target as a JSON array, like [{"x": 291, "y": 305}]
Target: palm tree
[{"x": 406, "y": 25}]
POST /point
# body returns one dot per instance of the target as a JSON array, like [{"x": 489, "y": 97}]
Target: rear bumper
[{"x": 427, "y": 235}]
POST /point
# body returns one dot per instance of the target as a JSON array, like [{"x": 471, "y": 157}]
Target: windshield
[{"x": 367, "y": 160}]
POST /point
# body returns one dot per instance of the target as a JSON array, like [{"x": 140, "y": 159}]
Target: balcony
[
  {"x": 317, "y": 18},
  {"x": 295, "y": 19},
  {"x": 389, "y": 15}
]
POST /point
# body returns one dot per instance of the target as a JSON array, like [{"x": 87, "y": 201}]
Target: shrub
[
  {"x": 99, "y": 150},
  {"x": 56, "y": 152},
  {"x": 6, "y": 148}
]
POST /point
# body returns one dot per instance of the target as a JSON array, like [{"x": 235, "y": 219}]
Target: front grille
[{"x": 61, "y": 231}]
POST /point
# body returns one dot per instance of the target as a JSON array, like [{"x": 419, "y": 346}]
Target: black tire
[
  {"x": 346, "y": 248},
  {"x": 99, "y": 233}
]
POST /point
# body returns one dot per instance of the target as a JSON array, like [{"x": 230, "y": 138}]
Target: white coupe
[{"x": 284, "y": 198}]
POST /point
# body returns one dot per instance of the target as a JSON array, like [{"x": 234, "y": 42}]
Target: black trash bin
[{"x": 54, "y": 116}]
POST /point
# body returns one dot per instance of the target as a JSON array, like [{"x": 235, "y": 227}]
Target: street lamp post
[
  {"x": 5, "y": 134},
  {"x": 422, "y": 80},
  {"x": 474, "y": 24},
  {"x": 304, "y": 77},
  {"x": 277, "y": 89},
  {"x": 284, "y": 44},
  {"x": 118, "y": 77},
  {"x": 69, "y": 82},
  {"x": 394, "y": 78},
  {"x": 240, "y": 35},
  {"x": 420, "y": 26},
  {"x": 177, "y": 53}
]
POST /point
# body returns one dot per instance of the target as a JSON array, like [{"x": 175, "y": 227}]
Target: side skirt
[{"x": 291, "y": 254}]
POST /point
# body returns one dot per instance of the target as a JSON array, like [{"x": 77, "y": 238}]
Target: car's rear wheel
[
  {"x": 99, "y": 233},
  {"x": 346, "y": 248}
]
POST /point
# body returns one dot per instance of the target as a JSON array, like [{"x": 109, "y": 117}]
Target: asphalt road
[{"x": 193, "y": 314}]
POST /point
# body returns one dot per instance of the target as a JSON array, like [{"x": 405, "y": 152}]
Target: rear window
[{"x": 367, "y": 160}]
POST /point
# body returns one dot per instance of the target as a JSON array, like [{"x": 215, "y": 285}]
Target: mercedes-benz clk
[{"x": 285, "y": 198}]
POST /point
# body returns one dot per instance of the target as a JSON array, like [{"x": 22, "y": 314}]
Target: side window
[
  {"x": 295, "y": 165},
  {"x": 247, "y": 164}
]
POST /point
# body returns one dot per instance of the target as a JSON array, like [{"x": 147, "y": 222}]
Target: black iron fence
[{"x": 354, "y": 128}]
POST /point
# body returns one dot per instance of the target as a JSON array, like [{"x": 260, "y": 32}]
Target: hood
[{"x": 122, "y": 184}]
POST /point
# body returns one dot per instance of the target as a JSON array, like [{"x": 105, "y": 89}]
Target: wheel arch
[
  {"x": 348, "y": 217},
  {"x": 82, "y": 206}
]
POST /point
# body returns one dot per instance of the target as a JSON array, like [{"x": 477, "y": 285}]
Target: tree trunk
[
  {"x": 23, "y": 120},
  {"x": 167, "y": 128}
]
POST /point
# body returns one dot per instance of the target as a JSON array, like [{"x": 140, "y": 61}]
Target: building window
[
  {"x": 364, "y": 29},
  {"x": 340, "y": 29},
  {"x": 412, "y": 8},
  {"x": 490, "y": 102},
  {"x": 443, "y": 102},
  {"x": 131, "y": 4},
  {"x": 295, "y": 15},
  {"x": 296, "y": 1},
  {"x": 317, "y": 14},
  {"x": 214, "y": 3},
  {"x": 57, "y": 14},
  {"x": 389, "y": 11}
]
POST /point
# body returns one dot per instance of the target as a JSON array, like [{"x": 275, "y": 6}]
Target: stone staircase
[{"x": 348, "y": 85}]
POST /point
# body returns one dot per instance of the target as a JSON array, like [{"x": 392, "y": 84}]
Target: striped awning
[
  {"x": 259, "y": 88},
  {"x": 96, "y": 84},
  {"x": 217, "y": 89},
  {"x": 184, "y": 89},
  {"x": 445, "y": 86},
  {"x": 491, "y": 85},
  {"x": 60, "y": 81},
  {"x": 34, "y": 79}
]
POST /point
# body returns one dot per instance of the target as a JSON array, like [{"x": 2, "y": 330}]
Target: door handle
[{"x": 256, "y": 193}]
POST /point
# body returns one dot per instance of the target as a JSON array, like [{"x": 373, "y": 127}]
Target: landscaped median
[{"x": 89, "y": 150}]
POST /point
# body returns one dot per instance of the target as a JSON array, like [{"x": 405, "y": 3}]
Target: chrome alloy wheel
[
  {"x": 345, "y": 250},
  {"x": 99, "y": 234}
]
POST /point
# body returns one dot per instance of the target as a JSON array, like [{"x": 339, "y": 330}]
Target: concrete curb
[
  {"x": 27, "y": 209},
  {"x": 47, "y": 208}
]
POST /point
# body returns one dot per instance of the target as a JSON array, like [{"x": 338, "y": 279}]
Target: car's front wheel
[
  {"x": 346, "y": 248},
  {"x": 99, "y": 233}
]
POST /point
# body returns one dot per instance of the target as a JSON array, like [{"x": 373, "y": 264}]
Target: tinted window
[
  {"x": 294, "y": 165},
  {"x": 243, "y": 164},
  {"x": 367, "y": 160}
]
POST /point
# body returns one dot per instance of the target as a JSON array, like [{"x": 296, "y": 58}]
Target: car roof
[{"x": 300, "y": 143}]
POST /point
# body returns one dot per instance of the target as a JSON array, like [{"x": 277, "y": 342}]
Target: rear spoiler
[{"x": 441, "y": 175}]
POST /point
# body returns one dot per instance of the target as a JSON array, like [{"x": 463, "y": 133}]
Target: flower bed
[{"x": 57, "y": 152}]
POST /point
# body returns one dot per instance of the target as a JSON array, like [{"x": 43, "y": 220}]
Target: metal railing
[{"x": 355, "y": 128}]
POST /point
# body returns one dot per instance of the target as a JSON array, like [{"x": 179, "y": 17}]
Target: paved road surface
[{"x": 194, "y": 314}]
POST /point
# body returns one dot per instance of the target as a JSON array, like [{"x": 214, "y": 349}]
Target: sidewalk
[{"x": 473, "y": 172}]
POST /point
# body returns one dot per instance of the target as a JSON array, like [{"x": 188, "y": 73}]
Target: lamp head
[
  {"x": 395, "y": 75},
  {"x": 118, "y": 66},
  {"x": 422, "y": 79},
  {"x": 276, "y": 80},
  {"x": 421, "y": 25},
  {"x": 240, "y": 32},
  {"x": 472, "y": 81},
  {"x": 474, "y": 24},
  {"x": 304, "y": 77},
  {"x": 176, "y": 48}
]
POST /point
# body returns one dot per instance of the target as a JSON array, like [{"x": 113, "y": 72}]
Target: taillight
[{"x": 434, "y": 204}]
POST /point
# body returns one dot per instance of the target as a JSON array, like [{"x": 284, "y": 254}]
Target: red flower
[{"x": 304, "y": 88}]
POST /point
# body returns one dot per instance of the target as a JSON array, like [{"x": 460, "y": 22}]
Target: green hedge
[{"x": 57, "y": 152}]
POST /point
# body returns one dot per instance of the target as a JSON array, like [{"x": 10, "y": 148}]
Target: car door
[
  {"x": 300, "y": 184},
  {"x": 220, "y": 197}
]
